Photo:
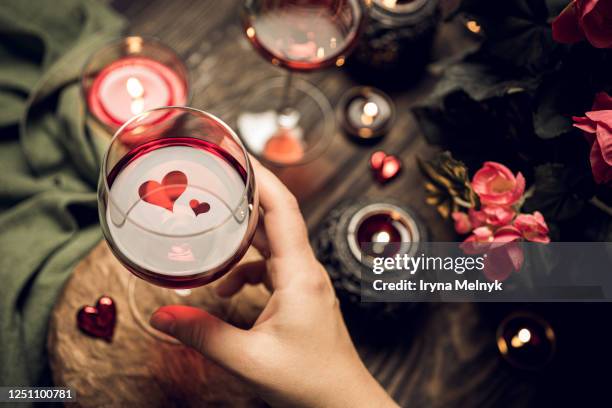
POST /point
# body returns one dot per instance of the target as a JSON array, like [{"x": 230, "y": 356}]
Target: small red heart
[
  {"x": 385, "y": 166},
  {"x": 99, "y": 320},
  {"x": 165, "y": 194},
  {"x": 198, "y": 207}
]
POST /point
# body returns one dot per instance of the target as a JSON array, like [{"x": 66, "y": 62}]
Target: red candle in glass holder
[
  {"x": 130, "y": 86},
  {"x": 382, "y": 230}
]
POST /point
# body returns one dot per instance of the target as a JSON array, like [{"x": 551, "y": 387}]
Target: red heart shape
[
  {"x": 198, "y": 207},
  {"x": 99, "y": 320},
  {"x": 165, "y": 194},
  {"x": 385, "y": 167}
]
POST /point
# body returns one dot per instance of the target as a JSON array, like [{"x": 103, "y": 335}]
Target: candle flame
[
  {"x": 250, "y": 32},
  {"x": 134, "y": 87},
  {"x": 524, "y": 335},
  {"x": 136, "y": 91},
  {"x": 382, "y": 237},
  {"x": 370, "y": 109},
  {"x": 522, "y": 338}
]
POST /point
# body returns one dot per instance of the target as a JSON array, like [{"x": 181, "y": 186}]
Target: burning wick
[
  {"x": 389, "y": 3},
  {"x": 136, "y": 91},
  {"x": 370, "y": 111},
  {"x": 521, "y": 338},
  {"x": 380, "y": 239}
]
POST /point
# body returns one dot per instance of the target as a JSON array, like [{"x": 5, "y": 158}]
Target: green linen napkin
[{"x": 48, "y": 168}]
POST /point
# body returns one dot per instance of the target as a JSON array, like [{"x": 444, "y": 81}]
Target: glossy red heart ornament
[
  {"x": 164, "y": 194},
  {"x": 99, "y": 320},
  {"x": 198, "y": 207},
  {"x": 385, "y": 167}
]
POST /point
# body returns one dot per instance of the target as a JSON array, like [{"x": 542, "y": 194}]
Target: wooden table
[{"x": 444, "y": 354}]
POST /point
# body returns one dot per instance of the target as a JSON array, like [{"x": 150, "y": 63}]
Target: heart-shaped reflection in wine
[
  {"x": 199, "y": 207},
  {"x": 164, "y": 194}
]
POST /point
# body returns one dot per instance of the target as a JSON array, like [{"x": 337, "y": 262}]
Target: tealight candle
[
  {"x": 526, "y": 341},
  {"x": 382, "y": 230},
  {"x": 367, "y": 113},
  {"x": 130, "y": 76}
]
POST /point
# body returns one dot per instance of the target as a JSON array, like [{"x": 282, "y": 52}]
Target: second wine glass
[{"x": 288, "y": 121}]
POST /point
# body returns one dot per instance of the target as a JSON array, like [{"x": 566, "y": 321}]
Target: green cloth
[{"x": 48, "y": 168}]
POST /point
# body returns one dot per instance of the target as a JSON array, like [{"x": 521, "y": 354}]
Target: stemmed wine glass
[
  {"x": 177, "y": 203},
  {"x": 288, "y": 121}
]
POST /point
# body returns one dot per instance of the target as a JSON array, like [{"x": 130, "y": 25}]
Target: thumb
[{"x": 216, "y": 339}]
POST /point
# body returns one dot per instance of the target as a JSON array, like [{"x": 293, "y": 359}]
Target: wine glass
[
  {"x": 288, "y": 121},
  {"x": 177, "y": 203}
]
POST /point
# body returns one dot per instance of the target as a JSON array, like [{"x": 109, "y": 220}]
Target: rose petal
[
  {"x": 604, "y": 140},
  {"x": 565, "y": 28},
  {"x": 595, "y": 23},
  {"x": 602, "y": 101},
  {"x": 462, "y": 222},
  {"x": 585, "y": 124},
  {"x": 600, "y": 116},
  {"x": 599, "y": 167}
]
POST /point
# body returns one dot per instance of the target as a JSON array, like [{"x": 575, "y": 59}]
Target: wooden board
[{"x": 135, "y": 369}]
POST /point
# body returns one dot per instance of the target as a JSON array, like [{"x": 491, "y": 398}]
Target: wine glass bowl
[
  {"x": 303, "y": 35},
  {"x": 177, "y": 198},
  {"x": 288, "y": 121}
]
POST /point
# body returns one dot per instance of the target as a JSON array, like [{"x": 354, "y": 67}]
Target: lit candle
[
  {"x": 399, "y": 6},
  {"x": 117, "y": 89},
  {"x": 367, "y": 113},
  {"x": 382, "y": 230},
  {"x": 526, "y": 341}
]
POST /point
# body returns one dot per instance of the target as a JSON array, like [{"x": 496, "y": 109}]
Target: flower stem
[{"x": 601, "y": 205}]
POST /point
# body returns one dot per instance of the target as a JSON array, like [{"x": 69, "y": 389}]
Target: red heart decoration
[
  {"x": 99, "y": 320},
  {"x": 165, "y": 194},
  {"x": 385, "y": 166},
  {"x": 198, "y": 207}
]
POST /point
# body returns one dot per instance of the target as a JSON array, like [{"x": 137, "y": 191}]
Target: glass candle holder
[
  {"x": 382, "y": 230},
  {"x": 396, "y": 41},
  {"x": 526, "y": 341},
  {"x": 132, "y": 75},
  {"x": 366, "y": 113}
]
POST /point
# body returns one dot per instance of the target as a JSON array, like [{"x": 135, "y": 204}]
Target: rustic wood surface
[
  {"x": 443, "y": 355},
  {"x": 135, "y": 369}
]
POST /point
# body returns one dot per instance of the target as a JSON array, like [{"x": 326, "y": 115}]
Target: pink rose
[
  {"x": 462, "y": 222},
  {"x": 484, "y": 239},
  {"x": 532, "y": 227},
  {"x": 502, "y": 261},
  {"x": 495, "y": 184},
  {"x": 597, "y": 127},
  {"x": 494, "y": 215},
  {"x": 585, "y": 18},
  {"x": 503, "y": 255}
]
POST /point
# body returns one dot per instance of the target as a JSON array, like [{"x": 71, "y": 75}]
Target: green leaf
[
  {"x": 549, "y": 120},
  {"x": 518, "y": 32},
  {"x": 560, "y": 192}
]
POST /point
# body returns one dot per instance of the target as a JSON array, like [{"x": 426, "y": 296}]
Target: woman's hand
[{"x": 298, "y": 352}]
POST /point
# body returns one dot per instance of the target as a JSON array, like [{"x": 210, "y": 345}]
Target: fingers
[
  {"x": 202, "y": 331},
  {"x": 249, "y": 273},
  {"x": 260, "y": 240},
  {"x": 284, "y": 224}
]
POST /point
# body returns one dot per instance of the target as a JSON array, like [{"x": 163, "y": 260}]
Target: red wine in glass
[
  {"x": 303, "y": 35},
  {"x": 177, "y": 210}
]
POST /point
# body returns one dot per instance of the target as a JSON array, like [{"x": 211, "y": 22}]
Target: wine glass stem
[{"x": 285, "y": 103}]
